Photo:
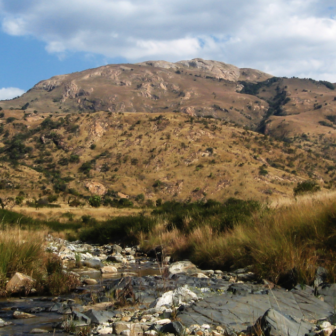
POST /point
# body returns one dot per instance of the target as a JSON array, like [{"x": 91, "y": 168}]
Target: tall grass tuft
[{"x": 24, "y": 251}]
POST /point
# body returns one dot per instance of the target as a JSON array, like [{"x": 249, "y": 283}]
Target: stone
[
  {"x": 116, "y": 248},
  {"x": 163, "y": 321},
  {"x": 90, "y": 281},
  {"x": 99, "y": 316},
  {"x": 118, "y": 327},
  {"x": 276, "y": 323},
  {"x": 176, "y": 297},
  {"x": 81, "y": 319},
  {"x": 175, "y": 328},
  {"x": 21, "y": 315},
  {"x": 19, "y": 282},
  {"x": 183, "y": 267},
  {"x": 108, "y": 269},
  {"x": 105, "y": 331},
  {"x": 116, "y": 258},
  {"x": 94, "y": 263},
  {"x": 38, "y": 331},
  {"x": 202, "y": 276}
]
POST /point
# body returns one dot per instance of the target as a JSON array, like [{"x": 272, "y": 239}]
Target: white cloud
[
  {"x": 283, "y": 37},
  {"x": 10, "y": 92}
]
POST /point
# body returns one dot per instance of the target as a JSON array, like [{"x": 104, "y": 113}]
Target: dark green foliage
[
  {"x": 74, "y": 158},
  {"x": 15, "y": 219},
  {"x": 253, "y": 88},
  {"x": 140, "y": 198},
  {"x": 59, "y": 186},
  {"x": 88, "y": 220},
  {"x": 308, "y": 186},
  {"x": 263, "y": 171},
  {"x": 124, "y": 228},
  {"x": 10, "y": 119},
  {"x": 49, "y": 124},
  {"x": 93, "y": 146},
  {"x": 221, "y": 216},
  {"x": 52, "y": 198},
  {"x": 63, "y": 161},
  {"x": 19, "y": 199},
  {"x": 25, "y": 106},
  {"x": 332, "y": 118},
  {"x": 325, "y": 123},
  {"x": 95, "y": 201},
  {"x": 86, "y": 167},
  {"x": 328, "y": 85}
]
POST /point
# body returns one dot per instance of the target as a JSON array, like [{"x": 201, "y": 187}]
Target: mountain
[
  {"x": 189, "y": 130},
  {"x": 194, "y": 87}
]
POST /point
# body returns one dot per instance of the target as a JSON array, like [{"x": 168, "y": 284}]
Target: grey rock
[
  {"x": 116, "y": 248},
  {"x": 94, "y": 263},
  {"x": 175, "y": 328},
  {"x": 274, "y": 323},
  {"x": 99, "y": 317},
  {"x": 251, "y": 303},
  {"x": 183, "y": 267}
]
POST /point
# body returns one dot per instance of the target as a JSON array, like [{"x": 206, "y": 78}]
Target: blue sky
[{"x": 40, "y": 38}]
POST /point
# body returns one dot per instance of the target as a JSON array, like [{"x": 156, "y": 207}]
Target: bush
[
  {"x": 95, "y": 201},
  {"x": 93, "y": 146},
  {"x": 308, "y": 186},
  {"x": 140, "y": 198},
  {"x": 52, "y": 198}
]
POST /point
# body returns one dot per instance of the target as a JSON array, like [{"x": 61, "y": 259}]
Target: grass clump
[{"x": 24, "y": 251}]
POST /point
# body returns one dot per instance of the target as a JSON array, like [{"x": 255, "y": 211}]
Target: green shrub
[
  {"x": 308, "y": 186},
  {"x": 95, "y": 201}
]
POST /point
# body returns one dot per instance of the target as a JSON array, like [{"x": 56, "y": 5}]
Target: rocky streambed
[{"x": 124, "y": 292}]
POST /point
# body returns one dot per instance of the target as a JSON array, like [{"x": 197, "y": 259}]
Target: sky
[{"x": 42, "y": 38}]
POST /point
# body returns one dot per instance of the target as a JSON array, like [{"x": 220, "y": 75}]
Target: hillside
[
  {"x": 160, "y": 130},
  {"x": 167, "y": 156}
]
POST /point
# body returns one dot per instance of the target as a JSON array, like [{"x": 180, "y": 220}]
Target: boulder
[
  {"x": 275, "y": 323},
  {"x": 108, "y": 269},
  {"x": 175, "y": 298},
  {"x": 183, "y": 267},
  {"x": 96, "y": 188},
  {"x": 19, "y": 282}
]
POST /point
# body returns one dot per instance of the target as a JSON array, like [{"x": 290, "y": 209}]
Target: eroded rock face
[{"x": 96, "y": 188}]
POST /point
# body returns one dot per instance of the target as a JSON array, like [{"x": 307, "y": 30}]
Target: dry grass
[
  {"x": 24, "y": 251},
  {"x": 289, "y": 239},
  {"x": 100, "y": 214}
]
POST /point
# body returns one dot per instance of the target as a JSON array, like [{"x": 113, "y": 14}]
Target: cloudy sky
[{"x": 42, "y": 38}]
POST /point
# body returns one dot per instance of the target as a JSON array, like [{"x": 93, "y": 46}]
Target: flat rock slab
[{"x": 240, "y": 311}]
